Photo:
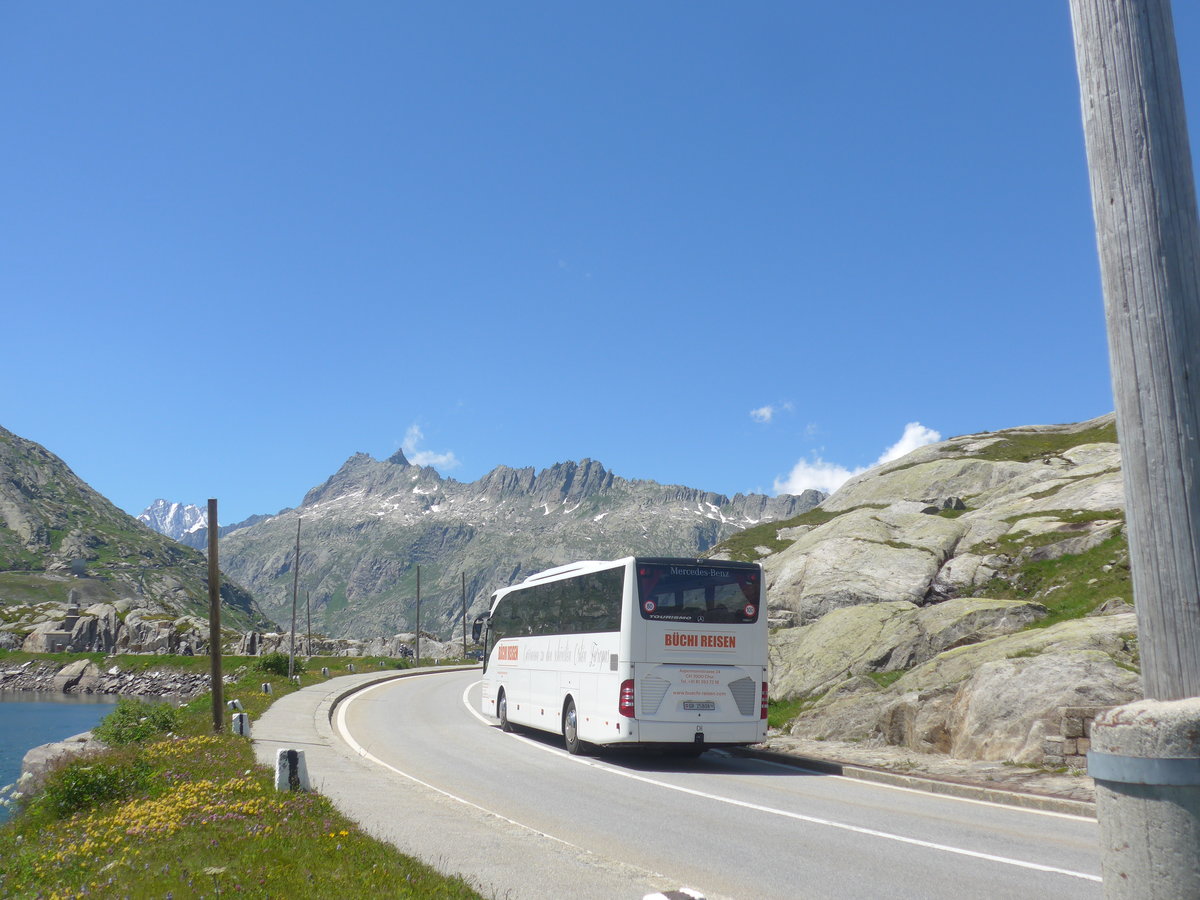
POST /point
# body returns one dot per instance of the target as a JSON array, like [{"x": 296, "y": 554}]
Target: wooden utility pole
[
  {"x": 1145, "y": 757},
  {"x": 464, "y": 595},
  {"x": 308, "y": 632},
  {"x": 1144, "y": 200},
  {"x": 295, "y": 589},
  {"x": 418, "y": 615},
  {"x": 214, "y": 622}
]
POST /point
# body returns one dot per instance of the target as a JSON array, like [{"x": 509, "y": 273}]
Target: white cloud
[
  {"x": 766, "y": 414},
  {"x": 817, "y": 474},
  {"x": 412, "y": 439},
  {"x": 915, "y": 435},
  {"x": 814, "y": 474}
]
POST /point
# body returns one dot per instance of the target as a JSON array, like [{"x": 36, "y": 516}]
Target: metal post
[
  {"x": 418, "y": 615},
  {"x": 214, "y": 621},
  {"x": 464, "y": 598},
  {"x": 1144, "y": 201}
]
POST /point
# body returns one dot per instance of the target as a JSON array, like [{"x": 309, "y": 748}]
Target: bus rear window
[{"x": 698, "y": 593}]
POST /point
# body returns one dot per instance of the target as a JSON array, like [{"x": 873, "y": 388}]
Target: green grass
[
  {"x": 743, "y": 545},
  {"x": 194, "y": 815},
  {"x": 1012, "y": 544},
  {"x": 1071, "y": 586},
  {"x": 1031, "y": 446},
  {"x": 884, "y": 679},
  {"x": 781, "y": 713}
]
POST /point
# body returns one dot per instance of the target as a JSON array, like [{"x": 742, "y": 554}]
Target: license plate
[{"x": 699, "y": 704}]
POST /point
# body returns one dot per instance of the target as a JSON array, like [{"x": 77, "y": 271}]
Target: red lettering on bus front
[{"x": 704, "y": 641}]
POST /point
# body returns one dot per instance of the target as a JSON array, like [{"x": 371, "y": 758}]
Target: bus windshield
[{"x": 670, "y": 592}]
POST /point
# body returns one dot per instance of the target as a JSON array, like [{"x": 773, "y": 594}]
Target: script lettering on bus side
[{"x": 682, "y": 640}]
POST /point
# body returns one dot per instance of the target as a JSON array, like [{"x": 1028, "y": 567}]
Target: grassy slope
[{"x": 197, "y": 815}]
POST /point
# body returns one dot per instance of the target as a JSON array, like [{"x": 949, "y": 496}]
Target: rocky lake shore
[{"x": 85, "y": 677}]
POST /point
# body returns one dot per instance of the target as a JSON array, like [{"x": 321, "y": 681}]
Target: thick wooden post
[
  {"x": 1145, "y": 757},
  {"x": 214, "y": 621},
  {"x": 1144, "y": 199}
]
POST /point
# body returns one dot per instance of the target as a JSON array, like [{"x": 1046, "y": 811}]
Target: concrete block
[
  {"x": 291, "y": 772},
  {"x": 241, "y": 724}
]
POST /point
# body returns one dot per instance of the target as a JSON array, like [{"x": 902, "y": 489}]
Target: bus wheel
[
  {"x": 502, "y": 713},
  {"x": 571, "y": 729}
]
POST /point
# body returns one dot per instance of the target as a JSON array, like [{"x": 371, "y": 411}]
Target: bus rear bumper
[{"x": 713, "y": 734}]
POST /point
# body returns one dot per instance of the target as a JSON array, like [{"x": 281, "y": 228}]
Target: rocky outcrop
[
  {"x": 116, "y": 627},
  {"x": 885, "y": 637},
  {"x": 398, "y": 646},
  {"x": 992, "y": 700},
  {"x": 865, "y": 556},
  {"x": 879, "y": 626},
  {"x": 41, "y": 760}
]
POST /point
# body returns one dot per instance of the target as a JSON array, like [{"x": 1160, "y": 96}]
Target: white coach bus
[{"x": 658, "y": 652}]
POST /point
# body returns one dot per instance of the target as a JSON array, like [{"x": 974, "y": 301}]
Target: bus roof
[{"x": 594, "y": 565}]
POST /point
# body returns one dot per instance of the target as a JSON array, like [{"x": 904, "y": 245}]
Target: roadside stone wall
[{"x": 1070, "y": 746}]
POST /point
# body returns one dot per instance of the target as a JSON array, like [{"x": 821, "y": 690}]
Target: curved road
[{"x": 534, "y": 818}]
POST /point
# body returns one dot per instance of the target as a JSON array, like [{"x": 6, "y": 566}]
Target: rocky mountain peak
[
  {"x": 175, "y": 520},
  {"x": 362, "y": 474}
]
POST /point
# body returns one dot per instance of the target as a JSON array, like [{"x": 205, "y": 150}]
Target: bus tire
[
  {"x": 570, "y": 723},
  {"x": 502, "y": 713}
]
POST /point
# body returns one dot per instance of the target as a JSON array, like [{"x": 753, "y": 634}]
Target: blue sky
[{"x": 702, "y": 243}]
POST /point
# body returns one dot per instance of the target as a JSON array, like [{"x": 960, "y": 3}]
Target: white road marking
[
  {"x": 944, "y": 848},
  {"x": 900, "y": 787},
  {"x": 340, "y": 727}
]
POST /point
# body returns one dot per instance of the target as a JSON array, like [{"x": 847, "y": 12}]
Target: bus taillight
[
  {"x": 625, "y": 704},
  {"x": 763, "y": 710}
]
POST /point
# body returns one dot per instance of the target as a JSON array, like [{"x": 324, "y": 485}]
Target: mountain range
[{"x": 367, "y": 529}]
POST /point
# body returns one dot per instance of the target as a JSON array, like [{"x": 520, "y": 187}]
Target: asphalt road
[{"x": 536, "y": 822}]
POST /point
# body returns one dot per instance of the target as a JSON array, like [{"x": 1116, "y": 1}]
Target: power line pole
[
  {"x": 464, "y": 598},
  {"x": 418, "y": 615},
  {"x": 214, "y": 621},
  {"x": 295, "y": 590},
  {"x": 1146, "y": 756}
]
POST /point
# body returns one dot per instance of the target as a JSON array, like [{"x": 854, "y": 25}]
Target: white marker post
[{"x": 291, "y": 772}]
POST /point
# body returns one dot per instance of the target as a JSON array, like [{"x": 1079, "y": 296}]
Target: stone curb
[{"x": 930, "y": 784}]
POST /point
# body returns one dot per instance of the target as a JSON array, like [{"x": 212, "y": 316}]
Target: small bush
[
  {"x": 277, "y": 664},
  {"x": 85, "y": 784},
  {"x": 133, "y": 721}
]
